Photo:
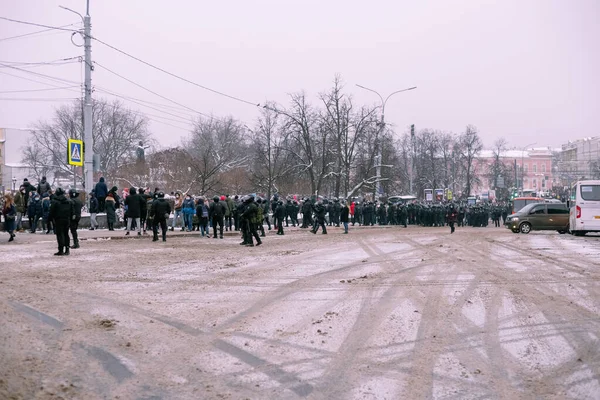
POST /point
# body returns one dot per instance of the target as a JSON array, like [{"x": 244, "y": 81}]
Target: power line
[
  {"x": 54, "y": 78},
  {"x": 151, "y": 91},
  {"x": 59, "y": 28},
  {"x": 177, "y": 76},
  {"x": 37, "y": 90},
  {"x": 181, "y": 119},
  {"x": 22, "y": 63},
  {"x": 33, "y": 33},
  {"x": 124, "y": 97},
  {"x": 39, "y": 99},
  {"x": 30, "y": 80}
]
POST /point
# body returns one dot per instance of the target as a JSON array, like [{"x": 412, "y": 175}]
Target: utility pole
[
  {"x": 88, "y": 139},
  {"x": 412, "y": 157}
]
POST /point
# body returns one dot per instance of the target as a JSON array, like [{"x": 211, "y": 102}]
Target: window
[
  {"x": 557, "y": 209},
  {"x": 541, "y": 209},
  {"x": 525, "y": 168},
  {"x": 543, "y": 168},
  {"x": 534, "y": 168},
  {"x": 590, "y": 192},
  {"x": 534, "y": 183}
]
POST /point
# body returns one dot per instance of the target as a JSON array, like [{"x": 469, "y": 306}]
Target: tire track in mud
[
  {"x": 338, "y": 378},
  {"x": 54, "y": 358},
  {"x": 578, "y": 339},
  {"x": 433, "y": 341}
]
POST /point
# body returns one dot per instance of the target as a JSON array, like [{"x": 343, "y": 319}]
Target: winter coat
[
  {"x": 250, "y": 213},
  {"x": 10, "y": 214},
  {"x": 101, "y": 189},
  {"x": 45, "y": 207},
  {"x": 33, "y": 207},
  {"x": 43, "y": 187},
  {"x": 77, "y": 206},
  {"x": 61, "y": 209},
  {"x": 202, "y": 212},
  {"x": 20, "y": 202},
  {"x": 189, "y": 206},
  {"x": 230, "y": 206},
  {"x": 344, "y": 214},
  {"x": 280, "y": 211},
  {"x": 133, "y": 202},
  {"x": 225, "y": 207},
  {"x": 93, "y": 205},
  {"x": 28, "y": 189},
  {"x": 216, "y": 210},
  {"x": 111, "y": 214},
  {"x": 352, "y": 208},
  {"x": 160, "y": 209},
  {"x": 178, "y": 203}
]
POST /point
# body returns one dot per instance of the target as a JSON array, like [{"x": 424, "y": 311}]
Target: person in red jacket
[{"x": 352, "y": 206}]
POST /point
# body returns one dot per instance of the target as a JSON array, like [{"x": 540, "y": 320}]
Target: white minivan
[{"x": 585, "y": 208}]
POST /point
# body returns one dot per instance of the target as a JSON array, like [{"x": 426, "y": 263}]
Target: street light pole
[{"x": 381, "y": 127}]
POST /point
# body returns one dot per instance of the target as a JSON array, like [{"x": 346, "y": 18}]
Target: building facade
[
  {"x": 579, "y": 160},
  {"x": 527, "y": 169}
]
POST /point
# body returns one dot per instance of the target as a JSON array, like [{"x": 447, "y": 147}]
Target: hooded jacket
[
  {"x": 43, "y": 187},
  {"x": 133, "y": 202},
  {"x": 61, "y": 209},
  {"x": 160, "y": 209},
  {"x": 101, "y": 189}
]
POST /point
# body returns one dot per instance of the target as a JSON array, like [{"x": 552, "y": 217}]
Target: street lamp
[
  {"x": 381, "y": 126},
  {"x": 14, "y": 181},
  {"x": 522, "y": 157}
]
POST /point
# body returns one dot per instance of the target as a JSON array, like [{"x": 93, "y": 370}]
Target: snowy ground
[{"x": 381, "y": 313}]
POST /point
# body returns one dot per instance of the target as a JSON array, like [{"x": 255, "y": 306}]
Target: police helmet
[
  {"x": 216, "y": 198},
  {"x": 161, "y": 195}
]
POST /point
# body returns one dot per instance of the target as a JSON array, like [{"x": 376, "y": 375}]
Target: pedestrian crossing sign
[{"x": 75, "y": 152}]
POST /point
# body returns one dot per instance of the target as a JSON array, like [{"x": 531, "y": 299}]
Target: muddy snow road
[{"x": 381, "y": 313}]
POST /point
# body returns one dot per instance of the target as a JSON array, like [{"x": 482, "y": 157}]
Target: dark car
[{"x": 540, "y": 217}]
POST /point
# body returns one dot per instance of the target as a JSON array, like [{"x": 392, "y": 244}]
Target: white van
[{"x": 585, "y": 208}]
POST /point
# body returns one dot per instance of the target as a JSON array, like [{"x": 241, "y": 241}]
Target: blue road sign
[{"x": 75, "y": 152}]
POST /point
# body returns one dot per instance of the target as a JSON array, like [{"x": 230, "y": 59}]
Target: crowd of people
[{"x": 141, "y": 210}]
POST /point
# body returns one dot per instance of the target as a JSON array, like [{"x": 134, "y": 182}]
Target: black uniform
[
  {"x": 61, "y": 213},
  {"x": 77, "y": 206},
  {"x": 159, "y": 211},
  {"x": 216, "y": 213},
  {"x": 320, "y": 212},
  {"x": 249, "y": 216},
  {"x": 280, "y": 214}
]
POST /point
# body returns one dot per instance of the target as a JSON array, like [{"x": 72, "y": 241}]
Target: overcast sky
[{"x": 524, "y": 70}]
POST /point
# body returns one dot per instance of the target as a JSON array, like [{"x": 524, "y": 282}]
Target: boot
[
  {"x": 172, "y": 229},
  {"x": 155, "y": 238},
  {"x": 250, "y": 245},
  {"x": 67, "y": 251},
  {"x": 75, "y": 245},
  {"x": 60, "y": 252},
  {"x": 259, "y": 243},
  {"x": 12, "y": 237}
]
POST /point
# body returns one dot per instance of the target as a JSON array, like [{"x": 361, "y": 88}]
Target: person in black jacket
[
  {"x": 280, "y": 213},
  {"x": 159, "y": 211},
  {"x": 101, "y": 191},
  {"x": 77, "y": 206},
  {"x": 93, "y": 211},
  {"x": 43, "y": 186},
  {"x": 249, "y": 216},
  {"x": 134, "y": 205},
  {"x": 320, "y": 212},
  {"x": 144, "y": 209},
  {"x": 216, "y": 213},
  {"x": 344, "y": 214},
  {"x": 61, "y": 213}
]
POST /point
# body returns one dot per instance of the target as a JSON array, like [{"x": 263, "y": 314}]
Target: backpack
[{"x": 204, "y": 211}]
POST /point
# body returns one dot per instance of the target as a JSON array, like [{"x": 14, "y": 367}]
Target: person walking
[
  {"x": 279, "y": 215},
  {"x": 202, "y": 213},
  {"x": 111, "y": 211},
  {"x": 160, "y": 212},
  {"x": 250, "y": 215},
  {"x": 77, "y": 206},
  {"x": 178, "y": 206},
  {"x": 93, "y": 211},
  {"x": 10, "y": 215},
  {"x": 189, "y": 209},
  {"x": 101, "y": 191},
  {"x": 46, "y": 223},
  {"x": 35, "y": 211},
  {"x": 133, "y": 203},
  {"x": 61, "y": 213},
  {"x": 452, "y": 218},
  {"x": 217, "y": 212},
  {"x": 320, "y": 212},
  {"x": 344, "y": 215},
  {"x": 21, "y": 207}
]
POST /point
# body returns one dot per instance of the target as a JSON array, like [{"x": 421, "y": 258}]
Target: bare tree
[
  {"x": 116, "y": 131},
  {"x": 215, "y": 146},
  {"x": 470, "y": 146}
]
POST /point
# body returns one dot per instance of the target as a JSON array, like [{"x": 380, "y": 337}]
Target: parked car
[{"x": 540, "y": 217}]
